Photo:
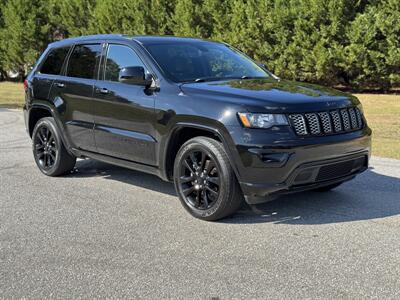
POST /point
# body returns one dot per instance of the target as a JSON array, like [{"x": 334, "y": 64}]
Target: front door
[{"x": 123, "y": 113}]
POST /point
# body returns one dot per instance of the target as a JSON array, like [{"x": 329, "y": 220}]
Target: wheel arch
[
  {"x": 36, "y": 113},
  {"x": 40, "y": 110},
  {"x": 184, "y": 131}
]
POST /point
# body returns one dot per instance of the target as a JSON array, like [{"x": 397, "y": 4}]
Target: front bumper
[{"x": 269, "y": 165}]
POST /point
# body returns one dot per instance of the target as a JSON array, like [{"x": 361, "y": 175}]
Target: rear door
[
  {"x": 73, "y": 94},
  {"x": 124, "y": 113},
  {"x": 48, "y": 71}
]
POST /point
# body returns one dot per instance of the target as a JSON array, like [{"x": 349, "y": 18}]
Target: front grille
[
  {"x": 340, "y": 169},
  {"x": 327, "y": 122}
]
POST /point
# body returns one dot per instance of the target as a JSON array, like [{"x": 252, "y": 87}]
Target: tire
[
  {"x": 49, "y": 152},
  {"x": 205, "y": 181},
  {"x": 327, "y": 188}
]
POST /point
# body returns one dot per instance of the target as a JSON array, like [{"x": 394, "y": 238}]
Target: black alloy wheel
[
  {"x": 205, "y": 181},
  {"x": 49, "y": 152},
  {"x": 45, "y": 147},
  {"x": 199, "y": 180}
]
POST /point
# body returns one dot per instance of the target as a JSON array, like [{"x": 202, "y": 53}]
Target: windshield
[{"x": 202, "y": 61}]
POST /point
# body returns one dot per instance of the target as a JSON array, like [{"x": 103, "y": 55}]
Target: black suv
[{"x": 196, "y": 112}]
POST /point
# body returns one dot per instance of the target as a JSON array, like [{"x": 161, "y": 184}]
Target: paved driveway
[{"x": 109, "y": 232}]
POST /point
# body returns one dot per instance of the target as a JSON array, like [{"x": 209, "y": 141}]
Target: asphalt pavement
[{"x": 108, "y": 232}]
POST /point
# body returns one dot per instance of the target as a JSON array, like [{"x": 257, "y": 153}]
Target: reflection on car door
[
  {"x": 123, "y": 113},
  {"x": 48, "y": 71}
]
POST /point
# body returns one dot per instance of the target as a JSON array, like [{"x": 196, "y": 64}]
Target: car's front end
[
  {"x": 274, "y": 164},
  {"x": 300, "y": 146}
]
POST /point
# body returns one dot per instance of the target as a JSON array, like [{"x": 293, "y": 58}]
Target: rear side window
[
  {"x": 83, "y": 61},
  {"x": 118, "y": 57},
  {"x": 54, "y": 61}
]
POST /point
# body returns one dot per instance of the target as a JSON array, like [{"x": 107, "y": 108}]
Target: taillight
[{"x": 25, "y": 84}]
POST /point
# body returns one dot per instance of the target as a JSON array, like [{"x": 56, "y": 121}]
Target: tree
[
  {"x": 22, "y": 37},
  {"x": 190, "y": 18},
  {"x": 3, "y": 74},
  {"x": 373, "y": 52},
  {"x": 72, "y": 16}
]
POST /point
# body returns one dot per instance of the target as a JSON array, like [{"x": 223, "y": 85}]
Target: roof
[{"x": 143, "y": 39}]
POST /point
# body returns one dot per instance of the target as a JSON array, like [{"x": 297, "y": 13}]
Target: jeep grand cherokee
[{"x": 196, "y": 112}]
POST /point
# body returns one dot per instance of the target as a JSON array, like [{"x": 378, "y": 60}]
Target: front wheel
[
  {"x": 205, "y": 181},
  {"x": 48, "y": 149}
]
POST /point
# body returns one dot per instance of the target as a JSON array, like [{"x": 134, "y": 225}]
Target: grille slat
[
  {"x": 353, "y": 118},
  {"x": 345, "y": 119},
  {"x": 299, "y": 124},
  {"x": 313, "y": 123},
  {"x": 327, "y": 122}
]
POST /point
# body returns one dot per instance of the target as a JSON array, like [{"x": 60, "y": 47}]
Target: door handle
[
  {"x": 102, "y": 91},
  {"x": 60, "y": 85}
]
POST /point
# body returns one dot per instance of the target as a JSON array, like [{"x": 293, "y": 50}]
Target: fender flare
[
  {"x": 54, "y": 113},
  {"x": 223, "y": 136}
]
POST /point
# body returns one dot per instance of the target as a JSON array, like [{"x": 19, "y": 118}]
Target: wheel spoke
[
  {"x": 53, "y": 157},
  {"x": 184, "y": 179},
  {"x": 43, "y": 133},
  {"x": 40, "y": 137},
  {"x": 197, "y": 203},
  {"x": 188, "y": 191},
  {"x": 203, "y": 160},
  {"x": 212, "y": 191},
  {"x": 40, "y": 155},
  {"x": 39, "y": 146},
  {"x": 205, "y": 199},
  {"x": 48, "y": 134},
  {"x": 194, "y": 160},
  {"x": 189, "y": 167},
  {"x": 207, "y": 165},
  {"x": 214, "y": 180}
]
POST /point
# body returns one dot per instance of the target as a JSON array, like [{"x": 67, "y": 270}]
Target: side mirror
[{"x": 135, "y": 75}]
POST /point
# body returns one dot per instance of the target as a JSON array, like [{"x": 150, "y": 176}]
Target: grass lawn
[
  {"x": 383, "y": 115},
  {"x": 382, "y": 111},
  {"x": 11, "y": 95}
]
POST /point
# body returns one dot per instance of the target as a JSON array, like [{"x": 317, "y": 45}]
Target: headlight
[{"x": 251, "y": 120}]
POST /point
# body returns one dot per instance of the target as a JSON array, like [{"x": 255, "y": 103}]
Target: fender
[
  {"x": 54, "y": 113},
  {"x": 221, "y": 133}
]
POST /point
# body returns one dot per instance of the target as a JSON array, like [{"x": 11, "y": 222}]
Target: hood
[{"x": 270, "y": 94}]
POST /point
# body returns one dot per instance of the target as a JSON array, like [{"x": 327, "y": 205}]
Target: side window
[
  {"x": 118, "y": 57},
  {"x": 83, "y": 60},
  {"x": 54, "y": 61}
]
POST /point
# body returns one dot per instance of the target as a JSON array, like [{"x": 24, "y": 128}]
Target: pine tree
[
  {"x": 23, "y": 38},
  {"x": 3, "y": 74},
  {"x": 373, "y": 52},
  {"x": 190, "y": 18},
  {"x": 72, "y": 16}
]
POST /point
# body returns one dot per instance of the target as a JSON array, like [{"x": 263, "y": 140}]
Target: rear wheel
[
  {"x": 205, "y": 181},
  {"x": 48, "y": 150}
]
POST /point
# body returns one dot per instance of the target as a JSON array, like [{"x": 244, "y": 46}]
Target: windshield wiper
[{"x": 204, "y": 79}]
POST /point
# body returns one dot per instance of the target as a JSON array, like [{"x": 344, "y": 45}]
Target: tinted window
[
  {"x": 83, "y": 60},
  {"x": 54, "y": 61},
  {"x": 203, "y": 60},
  {"x": 118, "y": 57}
]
